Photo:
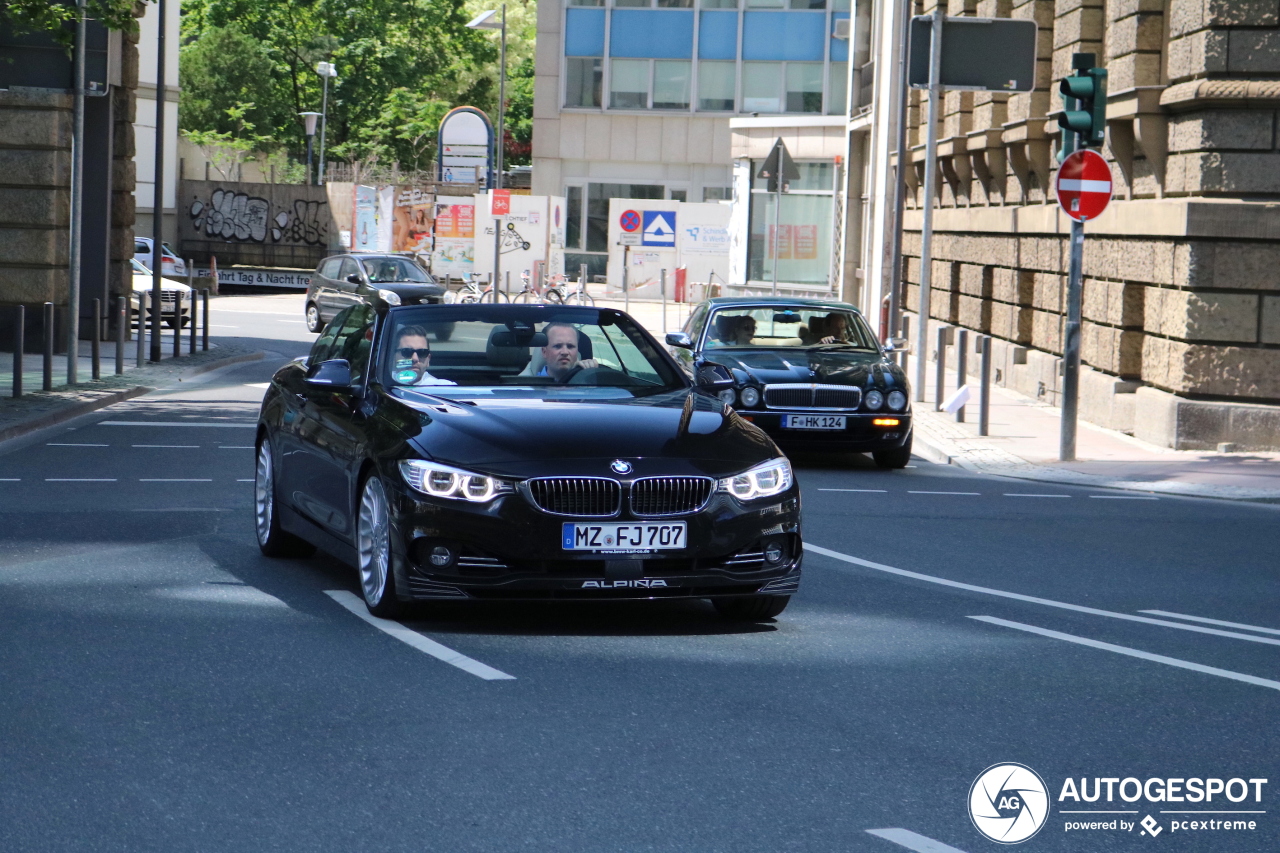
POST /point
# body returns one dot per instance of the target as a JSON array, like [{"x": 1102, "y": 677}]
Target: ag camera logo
[{"x": 1008, "y": 803}]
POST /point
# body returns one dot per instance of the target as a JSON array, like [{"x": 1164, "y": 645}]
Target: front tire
[
  {"x": 751, "y": 608},
  {"x": 897, "y": 458},
  {"x": 273, "y": 540},
  {"x": 314, "y": 323},
  {"x": 373, "y": 546},
  {"x": 579, "y": 298}
]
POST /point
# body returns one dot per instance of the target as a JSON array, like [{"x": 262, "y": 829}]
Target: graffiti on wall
[{"x": 237, "y": 216}]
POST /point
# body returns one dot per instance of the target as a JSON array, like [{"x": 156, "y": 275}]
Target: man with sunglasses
[{"x": 412, "y": 356}]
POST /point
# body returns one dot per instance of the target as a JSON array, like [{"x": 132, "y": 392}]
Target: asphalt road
[{"x": 164, "y": 687}]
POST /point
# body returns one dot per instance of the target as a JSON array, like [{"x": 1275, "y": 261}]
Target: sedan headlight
[
  {"x": 389, "y": 296},
  {"x": 443, "y": 481},
  {"x": 897, "y": 401},
  {"x": 727, "y": 396},
  {"x": 874, "y": 400},
  {"x": 762, "y": 481},
  {"x": 750, "y": 397}
]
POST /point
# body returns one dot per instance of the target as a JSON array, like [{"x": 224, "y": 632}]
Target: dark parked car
[
  {"x": 808, "y": 372},
  {"x": 542, "y": 452},
  {"x": 345, "y": 280}
]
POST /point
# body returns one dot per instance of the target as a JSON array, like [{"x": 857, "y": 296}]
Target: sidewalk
[{"x": 1024, "y": 444}]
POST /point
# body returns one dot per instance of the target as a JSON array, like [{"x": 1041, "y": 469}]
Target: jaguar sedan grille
[
  {"x": 808, "y": 396},
  {"x": 656, "y": 496},
  {"x": 584, "y": 497}
]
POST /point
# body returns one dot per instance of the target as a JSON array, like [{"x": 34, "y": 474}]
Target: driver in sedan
[{"x": 561, "y": 353}]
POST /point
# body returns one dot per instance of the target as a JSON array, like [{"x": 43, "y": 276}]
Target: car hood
[
  {"x": 143, "y": 282},
  {"x": 828, "y": 367},
  {"x": 679, "y": 432},
  {"x": 410, "y": 288}
]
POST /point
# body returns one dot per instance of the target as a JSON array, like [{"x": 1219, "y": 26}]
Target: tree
[
  {"x": 52, "y": 18},
  {"x": 222, "y": 71}
]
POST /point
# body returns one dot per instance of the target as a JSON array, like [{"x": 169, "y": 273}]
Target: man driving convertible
[{"x": 561, "y": 355}]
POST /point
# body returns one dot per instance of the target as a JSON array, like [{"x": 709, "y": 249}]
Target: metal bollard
[
  {"x": 48, "y": 346},
  {"x": 984, "y": 387},
  {"x": 95, "y": 346},
  {"x": 19, "y": 342},
  {"x": 903, "y": 355},
  {"x": 962, "y": 365},
  {"x": 204, "y": 314},
  {"x": 142, "y": 325},
  {"x": 122, "y": 317},
  {"x": 191, "y": 349},
  {"x": 942, "y": 368},
  {"x": 177, "y": 324}
]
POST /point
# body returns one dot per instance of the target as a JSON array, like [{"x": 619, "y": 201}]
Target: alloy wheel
[
  {"x": 373, "y": 541},
  {"x": 263, "y": 493}
]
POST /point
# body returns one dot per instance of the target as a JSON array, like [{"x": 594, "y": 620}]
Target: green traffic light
[{"x": 1084, "y": 99}]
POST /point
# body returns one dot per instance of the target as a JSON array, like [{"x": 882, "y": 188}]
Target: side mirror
[
  {"x": 714, "y": 378},
  {"x": 680, "y": 340},
  {"x": 898, "y": 345},
  {"x": 354, "y": 278},
  {"x": 332, "y": 375}
]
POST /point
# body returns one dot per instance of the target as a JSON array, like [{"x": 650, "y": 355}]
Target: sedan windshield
[
  {"x": 517, "y": 349},
  {"x": 789, "y": 326},
  {"x": 387, "y": 270}
]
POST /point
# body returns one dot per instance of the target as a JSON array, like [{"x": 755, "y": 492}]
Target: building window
[
  {"x": 679, "y": 195},
  {"x": 719, "y": 4},
  {"x": 716, "y": 85},
  {"x": 766, "y": 4},
  {"x": 761, "y": 87},
  {"x": 804, "y": 87},
  {"x": 573, "y": 218},
  {"x": 629, "y": 84},
  {"x": 837, "y": 101},
  {"x": 671, "y": 84},
  {"x": 717, "y": 193},
  {"x": 586, "y": 2},
  {"x": 583, "y": 78},
  {"x": 675, "y": 4}
]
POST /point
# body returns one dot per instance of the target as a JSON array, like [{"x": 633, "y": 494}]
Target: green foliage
[
  {"x": 47, "y": 16},
  {"x": 401, "y": 65},
  {"x": 519, "y": 128}
]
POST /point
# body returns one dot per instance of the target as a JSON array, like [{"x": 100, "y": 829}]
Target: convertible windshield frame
[
  {"x": 624, "y": 350},
  {"x": 707, "y": 342}
]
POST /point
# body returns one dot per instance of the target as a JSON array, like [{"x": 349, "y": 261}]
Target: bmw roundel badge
[{"x": 621, "y": 466}]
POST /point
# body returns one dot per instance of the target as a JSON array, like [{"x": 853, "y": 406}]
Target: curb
[{"x": 75, "y": 410}]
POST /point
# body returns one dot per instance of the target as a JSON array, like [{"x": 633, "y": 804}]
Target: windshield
[
  {"x": 139, "y": 267},
  {"x": 789, "y": 326},
  {"x": 524, "y": 351},
  {"x": 386, "y": 270}
]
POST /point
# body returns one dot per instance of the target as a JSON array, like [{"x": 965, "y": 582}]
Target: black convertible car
[
  {"x": 808, "y": 372},
  {"x": 542, "y": 452}
]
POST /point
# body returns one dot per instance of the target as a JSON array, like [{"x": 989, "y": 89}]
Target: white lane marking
[
  {"x": 10, "y": 479},
  {"x": 174, "y": 424},
  {"x": 913, "y": 841},
  {"x": 257, "y": 385},
  {"x": 250, "y": 480},
  {"x": 1210, "y": 811},
  {"x": 79, "y": 479},
  {"x": 1024, "y": 495},
  {"x": 1211, "y": 621},
  {"x": 261, "y": 313},
  {"x": 65, "y": 444},
  {"x": 236, "y": 447},
  {"x": 1031, "y": 599},
  {"x": 910, "y": 492},
  {"x": 853, "y": 490},
  {"x": 419, "y": 642},
  {"x": 174, "y": 480},
  {"x": 221, "y": 326},
  {"x": 170, "y": 446},
  {"x": 1125, "y": 497},
  {"x": 1133, "y": 653}
]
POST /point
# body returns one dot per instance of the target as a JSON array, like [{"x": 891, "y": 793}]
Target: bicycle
[
  {"x": 528, "y": 294},
  {"x": 557, "y": 293},
  {"x": 471, "y": 292}
]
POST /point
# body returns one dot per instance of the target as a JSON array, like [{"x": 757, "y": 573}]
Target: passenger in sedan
[{"x": 412, "y": 358}]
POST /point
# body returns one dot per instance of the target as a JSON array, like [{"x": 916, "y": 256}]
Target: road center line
[
  {"x": 170, "y": 446},
  {"x": 419, "y": 642},
  {"x": 853, "y": 490},
  {"x": 236, "y": 447},
  {"x": 1023, "y": 495},
  {"x": 174, "y": 480},
  {"x": 1211, "y": 621},
  {"x": 912, "y": 841},
  {"x": 79, "y": 479},
  {"x": 1031, "y": 599},
  {"x": 175, "y": 424},
  {"x": 1133, "y": 653},
  {"x": 1124, "y": 497},
  {"x": 63, "y": 444},
  {"x": 910, "y": 492}
]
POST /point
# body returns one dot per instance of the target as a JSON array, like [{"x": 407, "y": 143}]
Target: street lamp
[
  {"x": 327, "y": 71},
  {"x": 484, "y": 21},
  {"x": 310, "y": 118}
]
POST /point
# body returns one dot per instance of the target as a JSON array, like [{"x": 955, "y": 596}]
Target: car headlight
[
  {"x": 750, "y": 397},
  {"x": 874, "y": 400},
  {"x": 443, "y": 481},
  {"x": 762, "y": 481},
  {"x": 389, "y": 296},
  {"x": 727, "y": 396},
  {"x": 897, "y": 401}
]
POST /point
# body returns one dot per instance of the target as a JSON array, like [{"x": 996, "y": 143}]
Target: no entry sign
[{"x": 1084, "y": 185}]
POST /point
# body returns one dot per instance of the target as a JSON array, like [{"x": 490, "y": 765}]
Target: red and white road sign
[
  {"x": 629, "y": 221},
  {"x": 1084, "y": 185},
  {"x": 501, "y": 205}
]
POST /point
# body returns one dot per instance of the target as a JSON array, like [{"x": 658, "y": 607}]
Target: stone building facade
[
  {"x": 1181, "y": 335},
  {"x": 36, "y": 117}
]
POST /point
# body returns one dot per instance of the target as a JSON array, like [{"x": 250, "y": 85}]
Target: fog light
[
  {"x": 441, "y": 556},
  {"x": 886, "y": 421},
  {"x": 773, "y": 552}
]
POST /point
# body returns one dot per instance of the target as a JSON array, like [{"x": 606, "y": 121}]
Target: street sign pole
[
  {"x": 930, "y": 188},
  {"x": 777, "y": 234},
  {"x": 1071, "y": 346}
]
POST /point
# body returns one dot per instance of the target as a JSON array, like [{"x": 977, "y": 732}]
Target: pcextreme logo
[{"x": 1008, "y": 803}]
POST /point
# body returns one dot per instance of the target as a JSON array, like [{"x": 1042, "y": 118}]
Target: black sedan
[
  {"x": 345, "y": 280},
  {"x": 808, "y": 372},
  {"x": 543, "y": 452}
]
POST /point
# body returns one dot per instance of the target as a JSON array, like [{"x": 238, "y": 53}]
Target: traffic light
[{"x": 1084, "y": 100}]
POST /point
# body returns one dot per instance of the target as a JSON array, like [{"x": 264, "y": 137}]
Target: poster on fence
[{"x": 454, "y": 251}]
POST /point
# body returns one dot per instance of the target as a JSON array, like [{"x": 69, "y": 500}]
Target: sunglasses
[{"x": 409, "y": 352}]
